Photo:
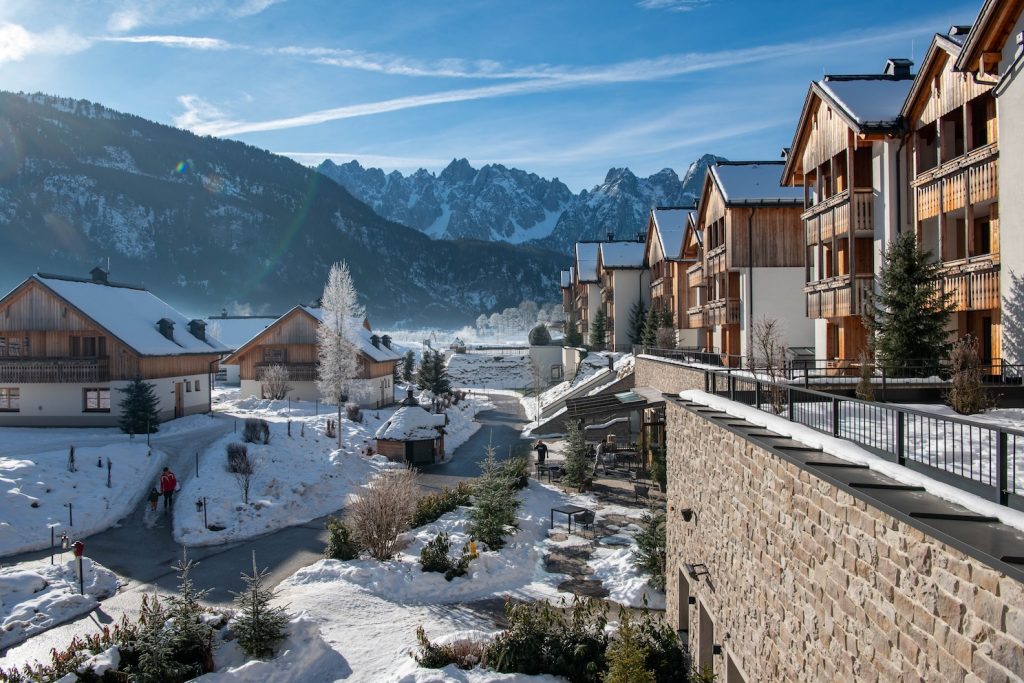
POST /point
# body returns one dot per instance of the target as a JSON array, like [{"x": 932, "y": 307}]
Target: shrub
[
  {"x": 464, "y": 654},
  {"x": 539, "y": 336},
  {"x": 665, "y": 338},
  {"x": 865, "y": 389},
  {"x": 494, "y": 504},
  {"x": 256, "y": 431},
  {"x": 430, "y": 507},
  {"x": 649, "y": 556},
  {"x": 577, "y": 470},
  {"x": 967, "y": 394},
  {"x": 353, "y": 412},
  {"x": 627, "y": 655},
  {"x": 518, "y": 472},
  {"x": 435, "y": 557},
  {"x": 383, "y": 511},
  {"x": 275, "y": 383},
  {"x": 665, "y": 656},
  {"x": 541, "y": 638},
  {"x": 238, "y": 457},
  {"x": 341, "y": 544},
  {"x": 259, "y": 626},
  {"x": 330, "y": 430},
  {"x": 659, "y": 466}
]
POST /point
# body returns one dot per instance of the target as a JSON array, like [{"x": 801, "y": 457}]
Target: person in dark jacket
[{"x": 542, "y": 452}]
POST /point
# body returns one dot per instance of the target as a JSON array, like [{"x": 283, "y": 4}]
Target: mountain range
[
  {"x": 497, "y": 203},
  {"x": 208, "y": 223}
]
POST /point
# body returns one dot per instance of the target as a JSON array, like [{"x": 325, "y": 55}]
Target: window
[
  {"x": 88, "y": 347},
  {"x": 272, "y": 355},
  {"x": 188, "y": 386},
  {"x": 10, "y": 399},
  {"x": 196, "y": 385},
  {"x": 97, "y": 400},
  {"x": 14, "y": 346}
]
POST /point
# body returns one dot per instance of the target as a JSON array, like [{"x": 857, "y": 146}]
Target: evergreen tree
[
  {"x": 425, "y": 372},
  {"x": 599, "y": 329},
  {"x": 138, "y": 408},
  {"x": 572, "y": 335},
  {"x": 493, "y": 513},
  {"x": 649, "y": 335},
  {"x": 908, "y": 316},
  {"x": 577, "y": 469},
  {"x": 667, "y": 319},
  {"x": 259, "y": 626},
  {"x": 651, "y": 549},
  {"x": 627, "y": 655},
  {"x": 637, "y": 318},
  {"x": 408, "y": 363},
  {"x": 190, "y": 638},
  {"x": 439, "y": 371}
]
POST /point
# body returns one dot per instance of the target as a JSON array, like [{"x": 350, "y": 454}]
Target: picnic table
[
  {"x": 569, "y": 511},
  {"x": 547, "y": 469}
]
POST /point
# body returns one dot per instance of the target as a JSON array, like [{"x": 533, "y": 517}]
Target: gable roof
[
  {"x": 941, "y": 46},
  {"x": 990, "y": 32},
  {"x": 234, "y": 330},
  {"x": 753, "y": 182},
  {"x": 869, "y": 102},
  {"x": 566, "y": 278},
  {"x": 411, "y": 423},
  {"x": 130, "y": 314},
  {"x": 586, "y": 261},
  {"x": 618, "y": 255},
  {"x": 669, "y": 229}
]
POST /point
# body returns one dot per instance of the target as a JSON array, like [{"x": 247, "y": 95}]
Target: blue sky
[{"x": 564, "y": 88}]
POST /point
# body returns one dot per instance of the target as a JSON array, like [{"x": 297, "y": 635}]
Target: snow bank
[
  {"x": 489, "y": 372},
  {"x": 848, "y": 451},
  {"x": 35, "y": 490},
  {"x": 35, "y": 596}
]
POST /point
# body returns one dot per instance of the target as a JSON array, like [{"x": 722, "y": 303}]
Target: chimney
[
  {"x": 197, "y": 328},
  {"x": 375, "y": 340},
  {"x": 386, "y": 340},
  {"x": 611, "y": 236},
  {"x": 99, "y": 275},
  {"x": 166, "y": 327},
  {"x": 959, "y": 30},
  {"x": 409, "y": 400},
  {"x": 898, "y": 67},
  {"x": 641, "y": 238}
]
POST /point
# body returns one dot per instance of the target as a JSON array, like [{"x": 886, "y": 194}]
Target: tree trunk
[{"x": 339, "y": 422}]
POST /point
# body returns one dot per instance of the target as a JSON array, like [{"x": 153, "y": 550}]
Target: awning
[{"x": 610, "y": 405}]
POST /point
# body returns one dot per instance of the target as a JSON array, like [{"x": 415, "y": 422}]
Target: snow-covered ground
[
  {"x": 36, "y": 487},
  {"x": 35, "y": 596},
  {"x": 481, "y": 371},
  {"x": 1010, "y": 418},
  {"x": 299, "y": 477}
]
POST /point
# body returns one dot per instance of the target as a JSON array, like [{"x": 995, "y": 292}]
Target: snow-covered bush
[
  {"x": 275, "y": 384},
  {"x": 436, "y": 557},
  {"x": 518, "y": 472},
  {"x": 383, "y": 511},
  {"x": 353, "y": 412},
  {"x": 539, "y": 336},
  {"x": 464, "y": 653},
  {"x": 341, "y": 544}
]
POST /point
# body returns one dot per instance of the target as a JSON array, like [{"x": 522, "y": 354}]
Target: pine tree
[
  {"x": 425, "y": 372},
  {"x": 259, "y": 626},
  {"x": 577, "y": 469},
  {"x": 599, "y": 329},
  {"x": 649, "y": 335},
  {"x": 908, "y": 316},
  {"x": 493, "y": 513},
  {"x": 667, "y": 319},
  {"x": 340, "y": 315},
  {"x": 408, "y": 363},
  {"x": 191, "y": 639},
  {"x": 442, "y": 385},
  {"x": 627, "y": 655},
  {"x": 573, "y": 337},
  {"x": 637, "y": 318},
  {"x": 139, "y": 408}
]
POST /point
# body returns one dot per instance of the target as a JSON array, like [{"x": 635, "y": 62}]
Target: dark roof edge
[{"x": 90, "y": 281}]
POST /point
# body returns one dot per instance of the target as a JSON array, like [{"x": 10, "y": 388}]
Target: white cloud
[
  {"x": 673, "y": 5},
  {"x": 197, "y": 112},
  {"x": 17, "y": 42},
  {"x": 134, "y": 14},
  {"x": 190, "y": 42}
]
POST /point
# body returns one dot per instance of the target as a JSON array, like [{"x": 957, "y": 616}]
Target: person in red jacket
[{"x": 168, "y": 483}]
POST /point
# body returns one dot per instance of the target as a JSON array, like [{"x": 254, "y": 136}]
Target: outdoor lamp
[
  {"x": 687, "y": 514},
  {"x": 199, "y": 505},
  {"x": 697, "y": 570}
]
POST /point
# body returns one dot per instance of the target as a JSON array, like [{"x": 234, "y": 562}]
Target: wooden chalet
[
  {"x": 845, "y": 157},
  {"x": 412, "y": 435},
  {"x": 752, "y": 258},
  {"x": 954, "y": 178},
  {"x": 666, "y": 231},
  {"x": 67, "y": 344},
  {"x": 291, "y": 342}
]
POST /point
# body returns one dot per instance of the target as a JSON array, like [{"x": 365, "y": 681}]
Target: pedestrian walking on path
[
  {"x": 542, "y": 452},
  {"x": 154, "y": 496},
  {"x": 168, "y": 483}
]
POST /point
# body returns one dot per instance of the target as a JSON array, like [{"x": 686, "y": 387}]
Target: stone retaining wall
[
  {"x": 807, "y": 583},
  {"x": 666, "y": 375}
]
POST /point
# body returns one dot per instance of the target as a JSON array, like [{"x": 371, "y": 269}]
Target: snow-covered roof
[
  {"x": 586, "y": 261},
  {"x": 670, "y": 225},
  {"x": 868, "y": 100},
  {"x": 566, "y": 278},
  {"x": 754, "y": 182},
  {"x": 233, "y": 331},
  {"x": 131, "y": 314},
  {"x": 363, "y": 339},
  {"x": 411, "y": 423},
  {"x": 623, "y": 254}
]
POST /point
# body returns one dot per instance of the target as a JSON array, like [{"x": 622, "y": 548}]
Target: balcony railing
[
  {"x": 834, "y": 216},
  {"x": 695, "y": 276},
  {"x": 970, "y": 178},
  {"x": 972, "y": 283},
  {"x": 54, "y": 370},
  {"x": 695, "y": 317},
  {"x": 297, "y": 372},
  {"x": 839, "y": 297},
  {"x": 722, "y": 312}
]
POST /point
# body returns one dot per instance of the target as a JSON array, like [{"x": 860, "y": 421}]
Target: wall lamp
[
  {"x": 697, "y": 570},
  {"x": 687, "y": 514}
]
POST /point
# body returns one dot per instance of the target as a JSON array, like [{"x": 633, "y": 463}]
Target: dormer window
[
  {"x": 166, "y": 327},
  {"x": 197, "y": 328}
]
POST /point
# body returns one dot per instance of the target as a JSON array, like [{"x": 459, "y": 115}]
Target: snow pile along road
[
  {"x": 36, "y": 596},
  {"x": 478, "y": 371}
]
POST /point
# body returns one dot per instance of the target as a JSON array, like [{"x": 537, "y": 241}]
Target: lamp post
[
  {"x": 71, "y": 517},
  {"x": 201, "y": 507}
]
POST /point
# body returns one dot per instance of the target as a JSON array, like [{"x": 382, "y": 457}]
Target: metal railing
[{"x": 987, "y": 460}]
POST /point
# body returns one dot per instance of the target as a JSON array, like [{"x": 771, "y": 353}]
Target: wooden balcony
[
  {"x": 716, "y": 260},
  {"x": 838, "y": 297},
  {"x": 973, "y": 283},
  {"x": 970, "y": 178},
  {"x": 695, "y": 317},
  {"x": 297, "y": 372},
  {"x": 695, "y": 276},
  {"x": 54, "y": 370},
  {"x": 722, "y": 312},
  {"x": 835, "y": 216}
]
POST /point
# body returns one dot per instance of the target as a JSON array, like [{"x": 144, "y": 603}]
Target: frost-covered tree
[
  {"x": 539, "y": 336},
  {"x": 276, "y": 382},
  {"x": 340, "y": 315},
  {"x": 258, "y": 626},
  {"x": 139, "y": 408}
]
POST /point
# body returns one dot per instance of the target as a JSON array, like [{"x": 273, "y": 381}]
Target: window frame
[
  {"x": 6, "y": 394},
  {"x": 99, "y": 391}
]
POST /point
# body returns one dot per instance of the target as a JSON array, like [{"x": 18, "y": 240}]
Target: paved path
[{"x": 143, "y": 554}]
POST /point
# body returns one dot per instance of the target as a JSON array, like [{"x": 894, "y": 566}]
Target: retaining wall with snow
[{"x": 806, "y": 582}]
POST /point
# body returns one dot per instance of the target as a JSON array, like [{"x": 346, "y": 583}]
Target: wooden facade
[
  {"x": 953, "y": 152},
  {"x": 668, "y": 284}
]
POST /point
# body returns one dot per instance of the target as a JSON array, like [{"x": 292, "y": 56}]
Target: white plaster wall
[
  {"x": 53, "y": 405},
  {"x": 570, "y": 360},
  {"x": 593, "y": 303},
  {"x": 821, "y": 338},
  {"x": 1010, "y": 108},
  {"x": 544, "y": 357},
  {"x": 629, "y": 288},
  {"x": 690, "y": 338},
  {"x": 777, "y": 293},
  {"x": 885, "y": 159},
  {"x": 233, "y": 374}
]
